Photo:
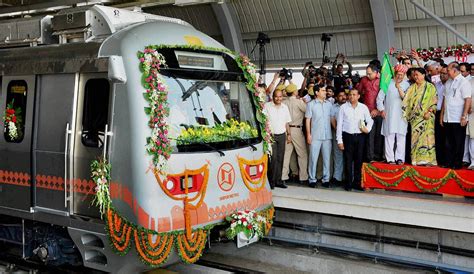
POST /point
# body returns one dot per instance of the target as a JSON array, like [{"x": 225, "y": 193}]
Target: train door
[
  {"x": 16, "y": 109},
  {"x": 91, "y": 121},
  {"x": 54, "y": 112}
]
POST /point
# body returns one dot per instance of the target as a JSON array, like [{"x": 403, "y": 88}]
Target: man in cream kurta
[{"x": 394, "y": 127}]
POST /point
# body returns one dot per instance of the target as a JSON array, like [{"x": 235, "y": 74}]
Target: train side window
[
  {"x": 14, "y": 116},
  {"x": 95, "y": 112}
]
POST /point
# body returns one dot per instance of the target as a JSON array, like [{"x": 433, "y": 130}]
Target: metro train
[{"x": 74, "y": 90}]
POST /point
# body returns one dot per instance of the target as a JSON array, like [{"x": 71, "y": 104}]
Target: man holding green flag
[{"x": 389, "y": 104}]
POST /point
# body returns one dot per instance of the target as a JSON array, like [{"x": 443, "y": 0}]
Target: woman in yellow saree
[{"x": 419, "y": 106}]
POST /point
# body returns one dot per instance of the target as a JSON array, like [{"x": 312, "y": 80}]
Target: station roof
[{"x": 295, "y": 26}]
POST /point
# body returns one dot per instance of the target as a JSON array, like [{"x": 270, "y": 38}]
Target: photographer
[
  {"x": 279, "y": 78},
  {"x": 337, "y": 71},
  {"x": 310, "y": 73}
]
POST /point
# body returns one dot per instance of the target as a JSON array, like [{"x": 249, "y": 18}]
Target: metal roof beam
[
  {"x": 229, "y": 26},
  {"x": 382, "y": 16},
  {"x": 310, "y": 31},
  {"x": 440, "y": 21},
  {"x": 429, "y": 22}
]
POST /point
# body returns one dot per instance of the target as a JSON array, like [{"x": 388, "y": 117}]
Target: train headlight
[{"x": 169, "y": 185}]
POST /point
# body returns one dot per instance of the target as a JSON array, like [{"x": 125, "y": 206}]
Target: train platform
[{"x": 424, "y": 210}]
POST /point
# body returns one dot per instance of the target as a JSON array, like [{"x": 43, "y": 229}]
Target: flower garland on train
[
  {"x": 153, "y": 247},
  {"x": 423, "y": 183},
  {"x": 12, "y": 121},
  {"x": 158, "y": 145},
  {"x": 459, "y": 52}
]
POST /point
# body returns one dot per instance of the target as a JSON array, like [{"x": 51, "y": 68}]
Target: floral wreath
[
  {"x": 12, "y": 121},
  {"x": 122, "y": 232}
]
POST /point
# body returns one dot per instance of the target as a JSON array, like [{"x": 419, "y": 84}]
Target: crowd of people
[{"x": 425, "y": 117}]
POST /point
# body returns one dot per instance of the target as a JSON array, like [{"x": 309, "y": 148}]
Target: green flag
[{"x": 386, "y": 74}]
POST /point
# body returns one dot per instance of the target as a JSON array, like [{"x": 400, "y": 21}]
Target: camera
[
  {"x": 355, "y": 78},
  {"x": 263, "y": 38},
  {"x": 286, "y": 74},
  {"x": 326, "y": 37}
]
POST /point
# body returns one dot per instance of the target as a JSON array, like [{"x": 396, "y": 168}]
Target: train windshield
[{"x": 210, "y": 115}]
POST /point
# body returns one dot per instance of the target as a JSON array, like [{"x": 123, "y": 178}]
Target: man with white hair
[{"x": 455, "y": 110}]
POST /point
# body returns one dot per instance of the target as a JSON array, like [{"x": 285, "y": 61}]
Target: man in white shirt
[
  {"x": 465, "y": 69},
  {"x": 440, "y": 132},
  {"x": 456, "y": 106},
  {"x": 470, "y": 127},
  {"x": 279, "y": 119},
  {"x": 338, "y": 160},
  {"x": 353, "y": 124}
]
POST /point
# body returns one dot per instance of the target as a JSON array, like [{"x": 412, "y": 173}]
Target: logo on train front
[{"x": 226, "y": 177}]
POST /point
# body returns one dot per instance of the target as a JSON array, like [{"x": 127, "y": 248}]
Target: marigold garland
[
  {"x": 155, "y": 253},
  {"x": 253, "y": 185},
  {"x": 423, "y": 183},
  {"x": 153, "y": 256},
  {"x": 119, "y": 232},
  {"x": 190, "y": 252},
  {"x": 186, "y": 200}
]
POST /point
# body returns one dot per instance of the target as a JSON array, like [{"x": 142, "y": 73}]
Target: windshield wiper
[
  {"x": 247, "y": 141},
  {"x": 221, "y": 153}
]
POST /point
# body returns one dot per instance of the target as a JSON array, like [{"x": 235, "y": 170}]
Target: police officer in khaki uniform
[{"x": 297, "y": 109}]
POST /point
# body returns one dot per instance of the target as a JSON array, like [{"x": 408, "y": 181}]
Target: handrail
[
  {"x": 106, "y": 135},
  {"x": 66, "y": 149}
]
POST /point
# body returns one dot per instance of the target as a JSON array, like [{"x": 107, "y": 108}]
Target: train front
[{"x": 189, "y": 146}]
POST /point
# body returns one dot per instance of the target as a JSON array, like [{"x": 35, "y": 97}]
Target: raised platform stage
[
  {"x": 416, "y": 209},
  {"x": 418, "y": 179}
]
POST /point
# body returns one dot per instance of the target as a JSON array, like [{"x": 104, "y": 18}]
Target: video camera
[
  {"x": 286, "y": 74},
  {"x": 262, "y": 38}
]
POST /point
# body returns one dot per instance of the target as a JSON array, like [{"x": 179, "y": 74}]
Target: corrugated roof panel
[
  {"x": 423, "y": 37},
  {"x": 458, "y": 6},
  {"x": 468, "y": 7},
  {"x": 356, "y": 44},
  {"x": 438, "y": 7},
  {"x": 470, "y": 33},
  {"x": 305, "y": 16},
  {"x": 448, "y": 8}
]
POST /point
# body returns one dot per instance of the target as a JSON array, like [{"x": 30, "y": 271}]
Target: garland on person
[
  {"x": 423, "y": 183},
  {"x": 460, "y": 52},
  {"x": 12, "y": 121}
]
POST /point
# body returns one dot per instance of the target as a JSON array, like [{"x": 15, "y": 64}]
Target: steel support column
[
  {"x": 382, "y": 16},
  {"x": 228, "y": 23}
]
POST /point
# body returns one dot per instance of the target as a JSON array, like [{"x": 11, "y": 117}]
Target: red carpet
[{"x": 418, "y": 179}]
